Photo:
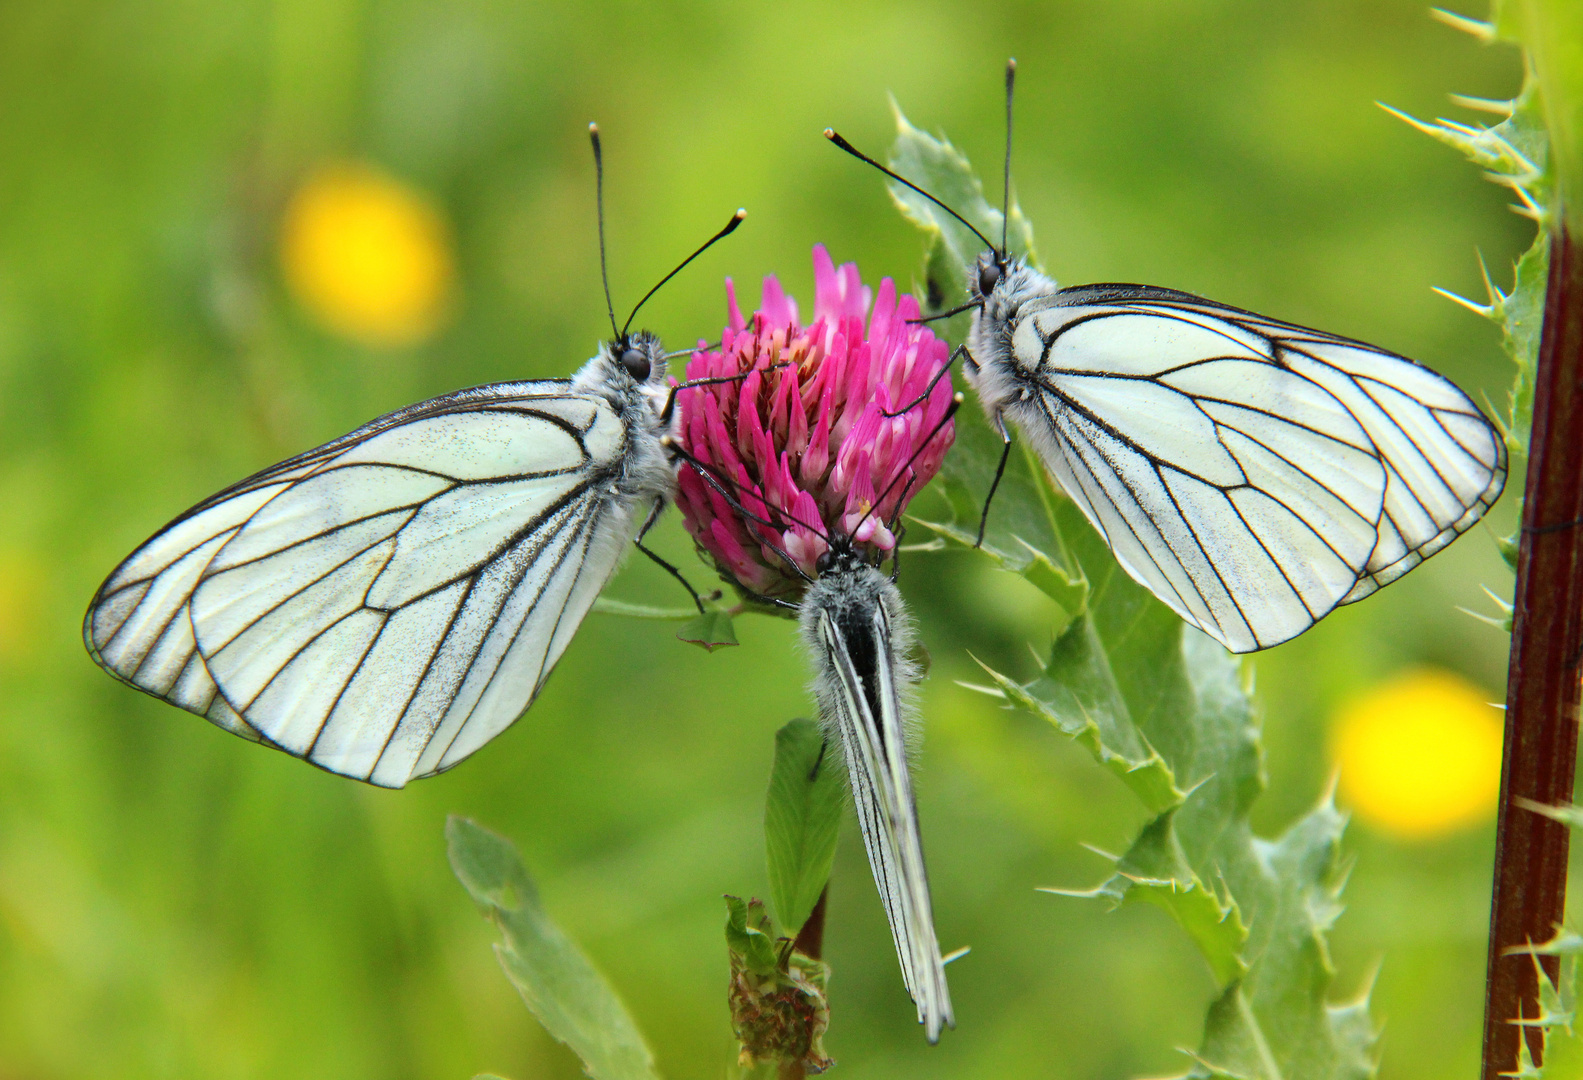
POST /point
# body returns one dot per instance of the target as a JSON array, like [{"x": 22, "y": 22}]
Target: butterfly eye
[
  {"x": 988, "y": 278},
  {"x": 636, "y": 363}
]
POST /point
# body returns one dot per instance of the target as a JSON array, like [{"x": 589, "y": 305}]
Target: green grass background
[{"x": 177, "y": 903}]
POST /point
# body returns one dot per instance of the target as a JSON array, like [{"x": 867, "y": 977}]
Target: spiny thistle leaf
[
  {"x": 950, "y": 247},
  {"x": 1551, "y": 33},
  {"x": 1563, "y": 1051},
  {"x": 1570, "y": 815},
  {"x": 571, "y": 999},
  {"x": 1166, "y": 710},
  {"x": 1515, "y": 154},
  {"x": 1079, "y": 694}
]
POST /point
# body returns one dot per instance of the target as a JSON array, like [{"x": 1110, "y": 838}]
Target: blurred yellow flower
[
  {"x": 369, "y": 255},
  {"x": 1419, "y": 754}
]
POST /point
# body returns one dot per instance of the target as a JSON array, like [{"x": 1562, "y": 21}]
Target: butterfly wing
[
  {"x": 1251, "y": 473},
  {"x": 384, "y": 605},
  {"x": 857, "y": 688}
]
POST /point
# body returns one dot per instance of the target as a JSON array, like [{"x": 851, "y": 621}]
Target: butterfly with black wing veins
[
  {"x": 860, "y": 638},
  {"x": 1253, "y": 474},
  {"x": 772, "y": 502},
  {"x": 385, "y": 604}
]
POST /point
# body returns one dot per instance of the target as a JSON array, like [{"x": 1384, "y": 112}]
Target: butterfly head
[
  {"x": 629, "y": 372},
  {"x": 989, "y": 272},
  {"x": 635, "y": 359},
  {"x": 840, "y": 557}
]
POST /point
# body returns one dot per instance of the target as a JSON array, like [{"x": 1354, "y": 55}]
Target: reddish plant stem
[
  {"x": 810, "y": 939},
  {"x": 1543, "y": 688}
]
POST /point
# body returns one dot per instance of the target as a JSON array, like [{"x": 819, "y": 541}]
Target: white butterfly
[
  {"x": 860, "y": 638},
  {"x": 1254, "y": 475},
  {"x": 387, "y": 603}
]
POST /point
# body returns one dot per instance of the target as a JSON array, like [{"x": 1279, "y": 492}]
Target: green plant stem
[{"x": 1543, "y": 687}]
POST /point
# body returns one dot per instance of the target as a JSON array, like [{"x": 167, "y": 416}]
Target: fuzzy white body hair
[
  {"x": 646, "y": 480},
  {"x": 860, "y": 639},
  {"x": 997, "y": 375},
  {"x": 850, "y": 592}
]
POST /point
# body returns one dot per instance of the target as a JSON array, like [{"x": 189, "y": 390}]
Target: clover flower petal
[{"x": 800, "y": 437}]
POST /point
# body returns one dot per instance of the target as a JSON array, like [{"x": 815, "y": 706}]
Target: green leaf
[
  {"x": 1079, "y": 695},
  {"x": 944, "y": 172},
  {"x": 1020, "y": 527},
  {"x": 570, "y": 998},
  {"x": 802, "y": 816},
  {"x": 712, "y": 630},
  {"x": 1069, "y": 592},
  {"x": 1155, "y": 870},
  {"x": 750, "y": 935},
  {"x": 1563, "y": 1050},
  {"x": 1551, "y": 32}
]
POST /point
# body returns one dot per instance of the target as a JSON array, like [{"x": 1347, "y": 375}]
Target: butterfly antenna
[
  {"x": 956, "y": 403},
  {"x": 599, "y": 200},
  {"x": 831, "y": 134},
  {"x": 1005, "y": 198},
  {"x": 736, "y": 219}
]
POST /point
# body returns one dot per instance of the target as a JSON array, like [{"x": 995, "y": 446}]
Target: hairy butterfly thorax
[
  {"x": 992, "y": 367},
  {"x": 632, "y": 376}
]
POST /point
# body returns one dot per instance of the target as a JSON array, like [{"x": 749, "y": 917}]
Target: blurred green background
[{"x": 175, "y": 902}]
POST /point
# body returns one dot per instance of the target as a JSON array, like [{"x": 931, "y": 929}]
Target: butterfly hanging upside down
[
  {"x": 796, "y": 485},
  {"x": 1254, "y": 475},
  {"x": 385, "y": 604}
]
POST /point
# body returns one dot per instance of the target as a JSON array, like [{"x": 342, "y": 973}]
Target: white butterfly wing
[
  {"x": 386, "y": 604},
  {"x": 867, "y": 712},
  {"x": 1252, "y": 474}
]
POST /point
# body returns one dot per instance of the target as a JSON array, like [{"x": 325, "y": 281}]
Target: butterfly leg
[
  {"x": 772, "y": 601},
  {"x": 895, "y": 555},
  {"x": 1000, "y": 470},
  {"x": 960, "y": 350},
  {"x": 654, "y": 515},
  {"x": 670, "y": 399}
]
